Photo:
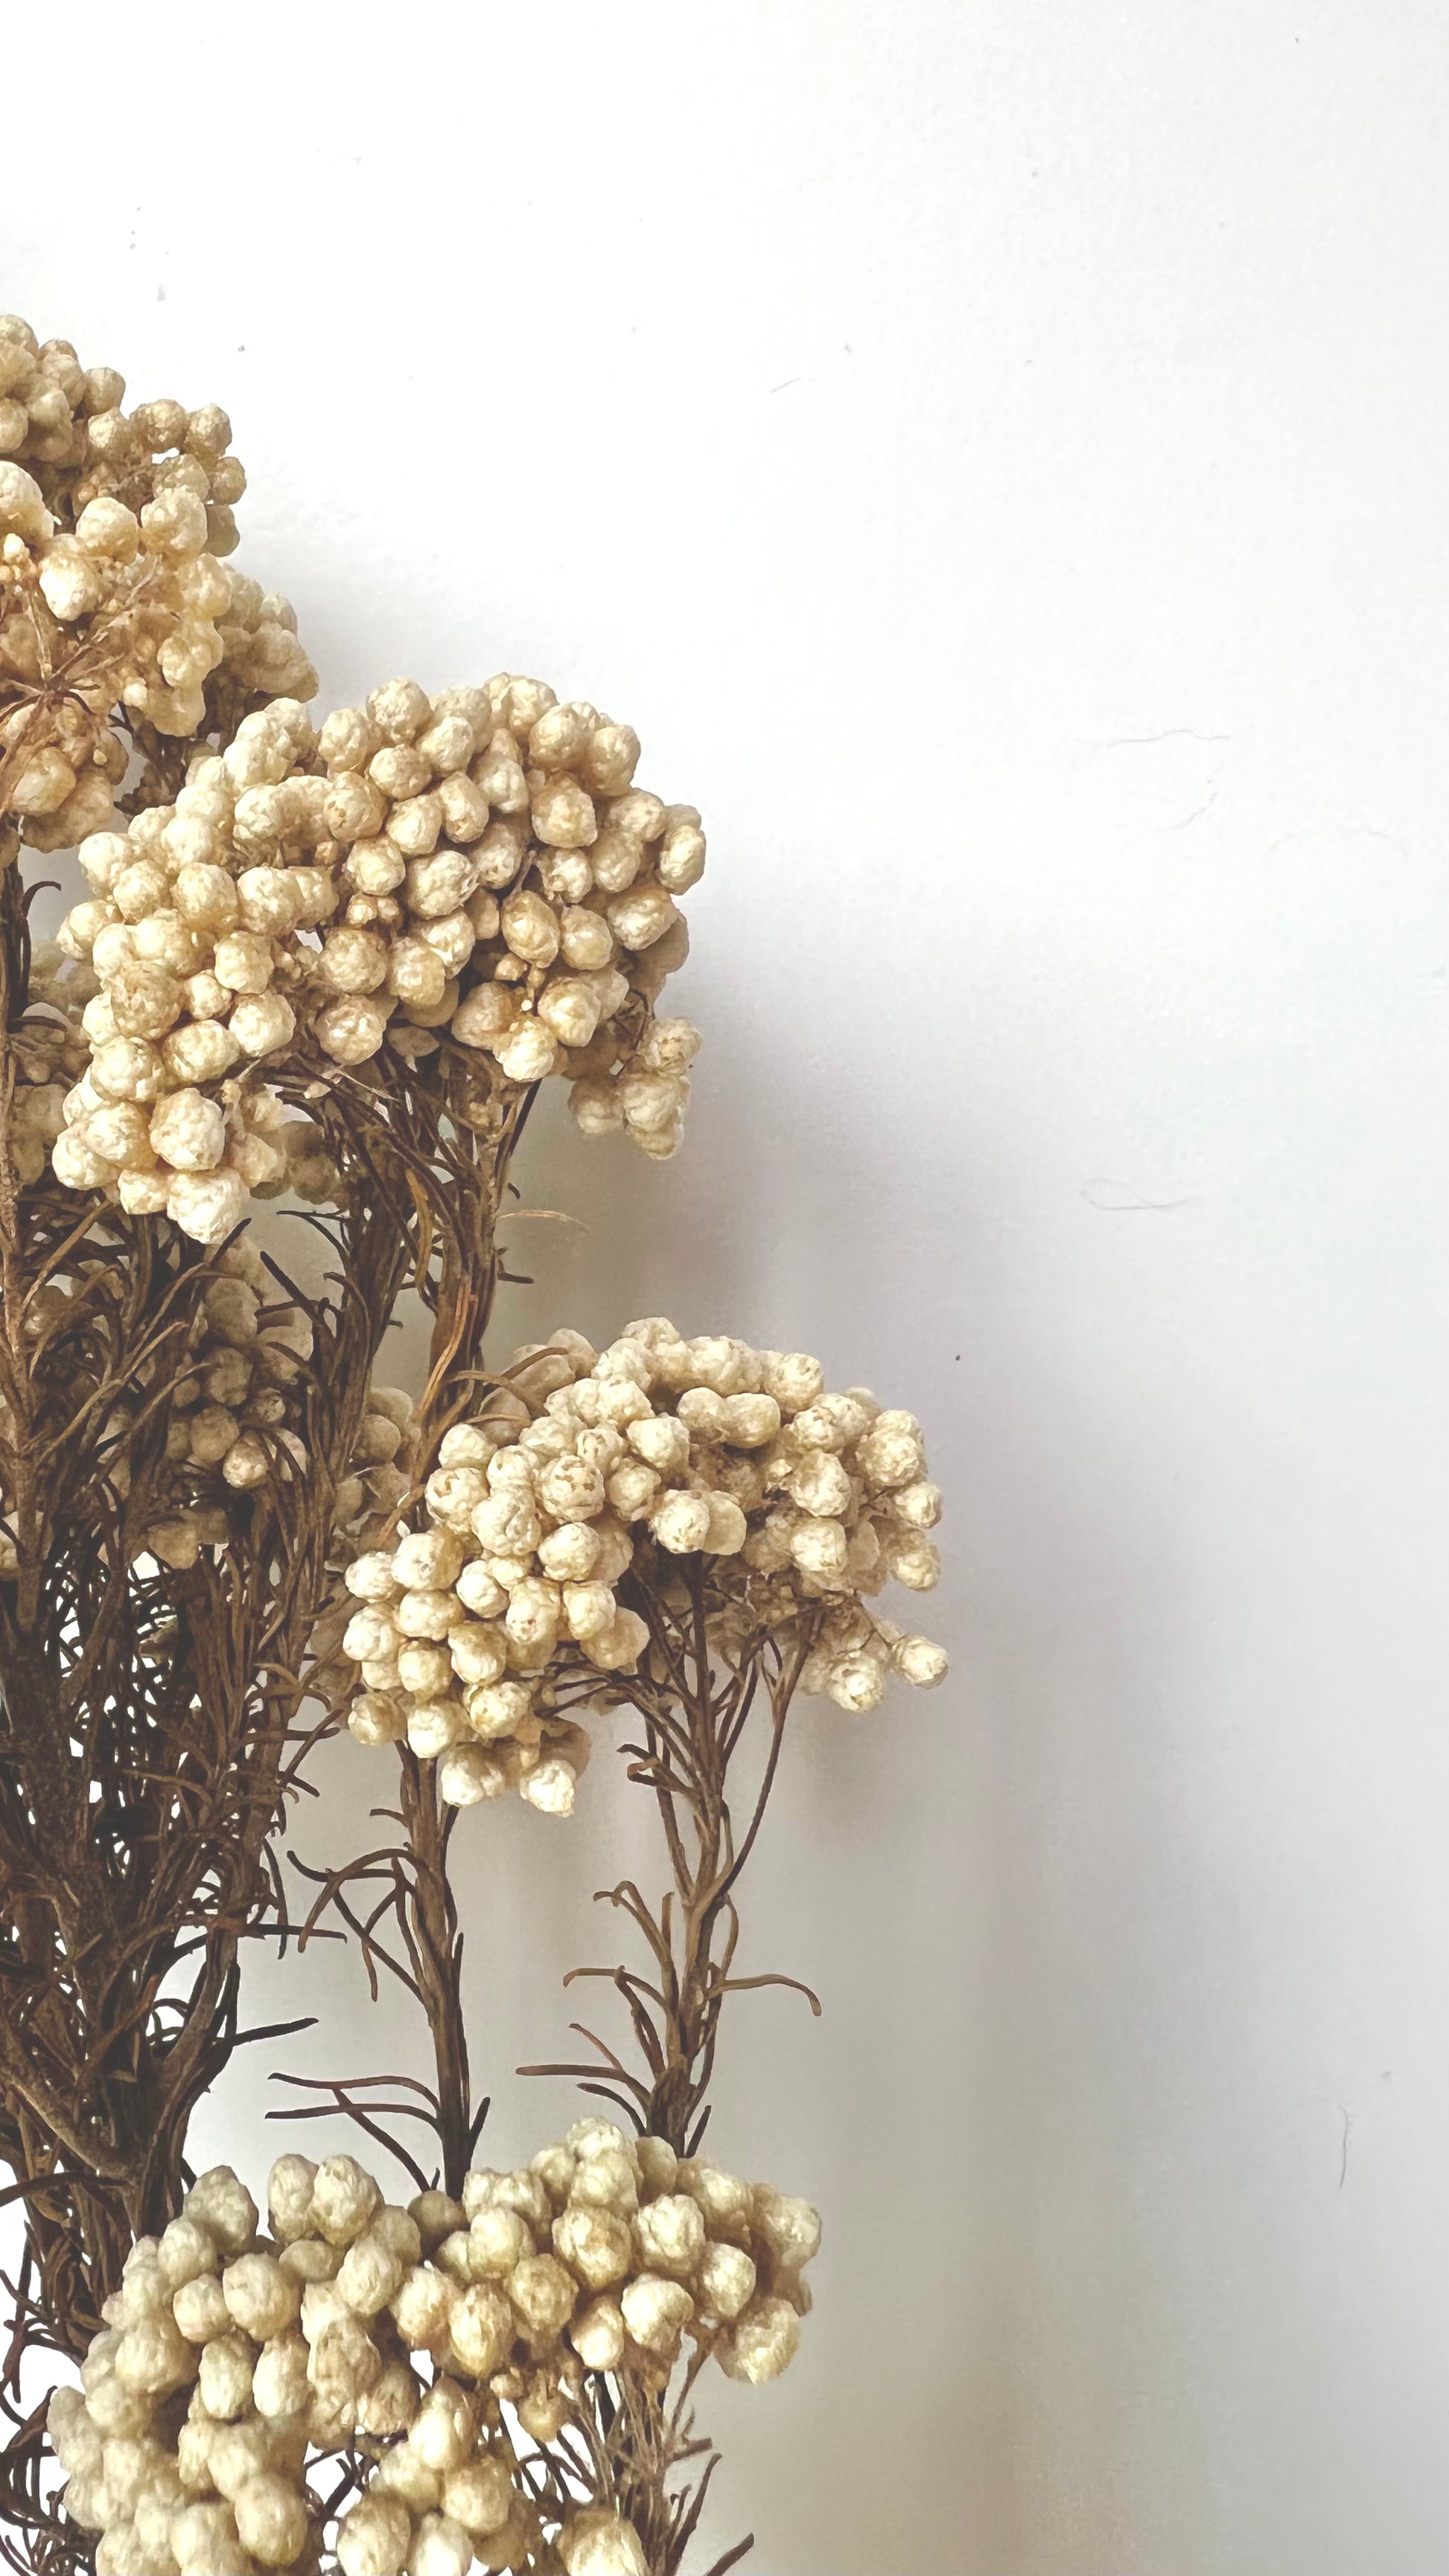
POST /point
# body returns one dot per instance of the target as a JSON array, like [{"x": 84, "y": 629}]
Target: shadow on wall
[
  {"x": 960, "y": 1876},
  {"x": 957, "y": 2112}
]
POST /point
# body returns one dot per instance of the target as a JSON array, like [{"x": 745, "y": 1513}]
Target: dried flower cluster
[
  {"x": 504, "y": 879},
  {"x": 476, "y": 866},
  {"x": 49, "y": 1051},
  {"x": 230, "y": 1403},
  {"x": 231, "y": 2360},
  {"x": 113, "y": 596},
  {"x": 65, "y": 424},
  {"x": 804, "y": 1503},
  {"x": 123, "y": 610}
]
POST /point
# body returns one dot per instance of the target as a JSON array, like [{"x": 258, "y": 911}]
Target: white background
[{"x": 993, "y": 453}]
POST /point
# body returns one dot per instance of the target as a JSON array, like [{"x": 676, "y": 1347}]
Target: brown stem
[
  {"x": 706, "y": 1867},
  {"x": 696, "y": 1711},
  {"x": 143, "y": 1720},
  {"x": 436, "y": 1949},
  {"x": 457, "y": 1231}
]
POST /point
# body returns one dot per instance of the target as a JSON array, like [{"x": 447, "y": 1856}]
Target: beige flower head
[
  {"x": 508, "y": 1600},
  {"x": 381, "y": 890},
  {"x": 235, "y": 2359}
]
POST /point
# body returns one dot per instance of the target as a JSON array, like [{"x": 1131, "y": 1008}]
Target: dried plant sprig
[
  {"x": 485, "y": 2371},
  {"x": 337, "y": 963},
  {"x": 717, "y": 1525},
  {"x": 156, "y": 1611},
  {"x": 556, "y": 1542},
  {"x": 149, "y": 1657}
]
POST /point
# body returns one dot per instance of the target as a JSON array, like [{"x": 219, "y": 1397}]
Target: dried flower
[
  {"x": 113, "y": 597},
  {"x": 281, "y": 914},
  {"x": 599, "y": 2543},
  {"x": 230, "y": 2361},
  {"x": 120, "y": 613},
  {"x": 471, "y": 1628},
  {"x": 65, "y": 424}
]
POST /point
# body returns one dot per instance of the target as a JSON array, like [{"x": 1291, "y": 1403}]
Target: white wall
[{"x": 993, "y": 453}]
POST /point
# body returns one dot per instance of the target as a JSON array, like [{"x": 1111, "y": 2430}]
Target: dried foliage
[
  {"x": 333, "y": 965},
  {"x": 696, "y": 1711}
]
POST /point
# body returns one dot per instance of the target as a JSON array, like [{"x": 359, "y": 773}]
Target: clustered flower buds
[
  {"x": 64, "y": 424},
  {"x": 128, "y": 605},
  {"x": 379, "y": 1475},
  {"x": 800, "y": 1504},
  {"x": 230, "y": 2358},
  {"x": 235, "y": 1419},
  {"x": 506, "y": 880},
  {"x": 229, "y": 1407},
  {"x": 225, "y": 1407},
  {"x": 235, "y": 1409},
  {"x": 48, "y": 1051},
  {"x": 112, "y": 591},
  {"x": 195, "y": 955},
  {"x": 308, "y": 898}
]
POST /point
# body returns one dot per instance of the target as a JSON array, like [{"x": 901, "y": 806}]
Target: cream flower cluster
[
  {"x": 234, "y": 1413},
  {"x": 506, "y": 879},
  {"x": 65, "y": 424},
  {"x": 236, "y": 1418},
  {"x": 833, "y": 1491},
  {"x": 379, "y": 1475},
  {"x": 192, "y": 930},
  {"x": 129, "y": 604},
  {"x": 281, "y": 905},
  {"x": 800, "y": 1503},
  {"x": 49, "y": 1051},
  {"x": 236, "y": 1409},
  {"x": 261, "y": 653},
  {"x": 230, "y": 2358}
]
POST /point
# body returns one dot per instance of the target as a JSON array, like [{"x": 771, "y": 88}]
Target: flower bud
[
  {"x": 595, "y": 2244},
  {"x": 764, "y": 2342},
  {"x": 670, "y": 2234},
  {"x": 261, "y": 2298},
  {"x": 345, "y": 2199},
  {"x": 279, "y": 2381},
  {"x": 480, "y": 2330},
  {"x": 599, "y": 2543},
  {"x": 224, "y": 2383},
  {"x": 479, "y": 2495},
  {"x": 656, "y": 2312},
  {"x": 373, "y": 2539},
  {"x": 271, "y": 2520},
  {"x": 917, "y": 1660},
  {"x": 442, "y": 2433},
  {"x": 441, "y": 2548},
  {"x": 224, "y": 2206},
  {"x": 371, "y": 2274},
  {"x": 421, "y": 2305},
  {"x": 544, "y": 2296}
]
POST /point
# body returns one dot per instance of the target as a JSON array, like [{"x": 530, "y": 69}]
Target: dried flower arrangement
[{"x": 333, "y": 963}]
